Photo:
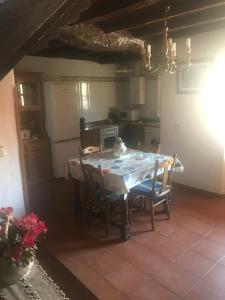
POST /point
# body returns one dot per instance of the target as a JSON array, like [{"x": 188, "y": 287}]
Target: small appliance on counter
[{"x": 129, "y": 115}]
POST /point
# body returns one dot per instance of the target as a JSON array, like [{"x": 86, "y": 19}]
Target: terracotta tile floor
[{"x": 183, "y": 259}]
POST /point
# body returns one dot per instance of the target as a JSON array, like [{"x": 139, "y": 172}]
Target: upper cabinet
[
  {"x": 137, "y": 90},
  {"x": 30, "y": 104},
  {"x": 29, "y": 90}
]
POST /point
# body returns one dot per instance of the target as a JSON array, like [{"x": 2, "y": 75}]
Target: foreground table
[
  {"x": 120, "y": 175},
  {"x": 48, "y": 280}
]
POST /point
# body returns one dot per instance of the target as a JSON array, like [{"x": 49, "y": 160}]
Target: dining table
[{"x": 120, "y": 175}]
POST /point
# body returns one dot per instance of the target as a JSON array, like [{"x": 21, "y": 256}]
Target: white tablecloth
[{"x": 123, "y": 173}]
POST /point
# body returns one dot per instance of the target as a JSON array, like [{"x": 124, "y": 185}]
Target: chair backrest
[
  {"x": 83, "y": 168},
  {"x": 172, "y": 169},
  {"x": 94, "y": 179},
  {"x": 89, "y": 150},
  {"x": 165, "y": 166}
]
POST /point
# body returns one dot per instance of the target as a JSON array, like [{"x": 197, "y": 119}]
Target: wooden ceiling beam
[
  {"x": 117, "y": 9},
  {"x": 156, "y": 14},
  {"x": 202, "y": 17},
  {"x": 70, "y": 52},
  {"x": 101, "y": 8},
  {"x": 197, "y": 28},
  {"x": 52, "y": 31}
]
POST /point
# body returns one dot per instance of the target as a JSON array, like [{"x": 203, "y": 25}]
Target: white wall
[
  {"x": 103, "y": 94},
  {"x": 54, "y": 68},
  {"x": 184, "y": 129},
  {"x": 10, "y": 176}
]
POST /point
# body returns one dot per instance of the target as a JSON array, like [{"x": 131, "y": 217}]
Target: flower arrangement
[{"x": 19, "y": 237}]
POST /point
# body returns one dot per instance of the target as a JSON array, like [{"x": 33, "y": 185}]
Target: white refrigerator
[{"x": 62, "y": 123}]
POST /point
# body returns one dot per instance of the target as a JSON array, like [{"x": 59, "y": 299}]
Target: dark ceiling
[
  {"x": 33, "y": 27},
  {"x": 143, "y": 19},
  {"x": 27, "y": 25}
]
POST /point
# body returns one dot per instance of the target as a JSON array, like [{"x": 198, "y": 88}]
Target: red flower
[
  {"x": 32, "y": 218},
  {"x": 28, "y": 240},
  {"x": 27, "y": 222},
  {"x": 39, "y": 228},
  {"x": 24, "y": 233},
  {"x": 16, "y": 253}
]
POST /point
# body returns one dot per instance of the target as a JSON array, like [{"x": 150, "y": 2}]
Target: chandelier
[{"x": 168, "y": 63}]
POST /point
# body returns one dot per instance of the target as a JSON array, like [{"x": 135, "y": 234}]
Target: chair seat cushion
[
  {"x": 110, "y": 196},
  {"x": 146, "y": 187}
]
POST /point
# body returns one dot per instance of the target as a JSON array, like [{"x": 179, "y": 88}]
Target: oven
[{"x": 108, "y": 136}]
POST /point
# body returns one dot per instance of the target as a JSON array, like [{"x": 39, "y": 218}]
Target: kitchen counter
[
  {"x": 122, "y": 123},
  {"x": 96, "y": 127},
  {"x": 132, "y": 133}
]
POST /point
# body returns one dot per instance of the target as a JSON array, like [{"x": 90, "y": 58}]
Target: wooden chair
[
  {"x": 157, "y": 192},
  {"x": 84, "y": 187},
  {"x": 99, "y": 199},
  {"x": 89, "y": 150}
]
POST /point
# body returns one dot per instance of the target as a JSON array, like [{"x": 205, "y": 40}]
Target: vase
[
  {"x": 119, "y": 149},
  {"x": 11, "y": 273}
]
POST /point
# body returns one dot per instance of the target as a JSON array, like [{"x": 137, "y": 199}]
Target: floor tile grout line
[
  {"x": 203, "y": 220},
  {"x": 216, "y": 263},
  {"x": 191, "y": 288},
  {"x": 102, "y": 276},
  {"x": 174, "y": 261},
  {"x": 214, "y": 286},
  {"x": 150, "y": 277},
  {"x": 196, "y": 275},
  {"x": 215, "y": 225},
  {"x": 155, "y": 278},
  {"x": 188, "y": 248}
]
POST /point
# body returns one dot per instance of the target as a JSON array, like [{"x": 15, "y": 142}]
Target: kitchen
[
  {"x": 188, "y": 123},
  {"x": 99, "y": 107}
]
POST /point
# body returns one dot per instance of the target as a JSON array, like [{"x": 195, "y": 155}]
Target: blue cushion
[
  {"x": 110, "y": 195},
  {"x": 146, "y": 187}
]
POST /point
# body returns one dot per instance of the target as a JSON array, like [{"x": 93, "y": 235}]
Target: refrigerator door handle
[{"x": 68, "y": 140}]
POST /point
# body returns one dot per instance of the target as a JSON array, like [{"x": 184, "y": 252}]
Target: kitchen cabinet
[
  {"x": 133, "y": 135},
  {"x": 90, "y": 138},
  {"x": 37, "y": 160},
  {"x": 34, "y": 145},
  {"x": 137, "y": 90},
  {"x": 29, "y": 103}
]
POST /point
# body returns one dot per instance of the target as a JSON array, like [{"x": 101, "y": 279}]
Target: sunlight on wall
[{"x": 213, "y": 99}]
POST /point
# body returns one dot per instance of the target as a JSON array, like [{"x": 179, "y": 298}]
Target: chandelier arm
[
  {"x": 168, "y": 57},
  {"x": 155, "y": 70}
]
